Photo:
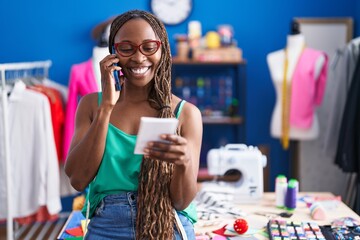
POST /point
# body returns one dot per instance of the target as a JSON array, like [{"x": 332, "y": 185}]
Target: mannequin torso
[
  {"x": 98, "y": 54},
  {"x": 294, "y": 48}
]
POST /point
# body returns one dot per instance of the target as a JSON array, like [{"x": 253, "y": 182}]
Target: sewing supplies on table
[
  {"x": 280, "y": 190},
  {"x": 286, "y": 192},
  {"x": 283, "y": 229}
]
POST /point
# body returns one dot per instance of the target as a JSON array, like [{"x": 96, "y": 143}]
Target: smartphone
[{"x": 116, "y": 75}]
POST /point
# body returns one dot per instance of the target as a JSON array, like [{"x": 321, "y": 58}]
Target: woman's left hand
[{"x": 173, "y": 150}]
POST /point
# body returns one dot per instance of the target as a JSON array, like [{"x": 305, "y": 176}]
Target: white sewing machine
[{"x": 246, "y": 161}]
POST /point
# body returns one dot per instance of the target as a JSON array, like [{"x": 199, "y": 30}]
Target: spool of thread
[
  {"x": 280, "y": 191},
  {"x": 291, "y": 194},
  {"x": 317, "y": 211}
]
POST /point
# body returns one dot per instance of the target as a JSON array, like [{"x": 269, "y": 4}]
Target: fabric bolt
[
  {"x": 82, "y": 81},
  {"x": 306, "y": 91},
  {"x": 33, "y": 157}
]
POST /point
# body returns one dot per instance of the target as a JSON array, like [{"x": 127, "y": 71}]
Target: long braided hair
[{"x": 155, "y": 216}]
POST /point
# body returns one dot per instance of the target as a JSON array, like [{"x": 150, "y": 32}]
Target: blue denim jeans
[{"x": 115, "y": 218}]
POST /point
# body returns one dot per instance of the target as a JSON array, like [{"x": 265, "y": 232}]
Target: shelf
[
  {"x": 223, "y": 120},
  {"x": 176, "y": 61},
  {"x": 225, "y": 128}
]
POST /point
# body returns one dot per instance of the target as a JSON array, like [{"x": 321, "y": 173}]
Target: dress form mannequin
[
  {"x": 294, "y": 48},
  {"x": 101, "y": 50},
  {"x": 97, "y": 55}
]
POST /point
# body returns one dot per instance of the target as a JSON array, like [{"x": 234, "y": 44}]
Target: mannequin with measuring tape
[{"x": 299, "y": 77}]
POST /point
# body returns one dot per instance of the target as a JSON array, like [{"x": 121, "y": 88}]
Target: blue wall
[
  {"x": 357, "y": 18},
  {"x": 60, "y": 31}
]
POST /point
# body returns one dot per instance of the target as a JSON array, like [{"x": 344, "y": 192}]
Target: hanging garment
[
  {"x": 340, "y": 75},
  {"x": 82, "y": 81},
  {"x": 58, "y": 124},
  {"x": 61, "y": 88},
  {"x": 348, "y": 150},
  {"x": 34, "y": 165},
  {"x": 57, "y": 114},
  {"x": 306, "y": 91},
  {"x": 42, "y": 215}
]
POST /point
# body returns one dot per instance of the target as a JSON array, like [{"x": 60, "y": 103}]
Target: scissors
[{"x": 272, "y": 214}]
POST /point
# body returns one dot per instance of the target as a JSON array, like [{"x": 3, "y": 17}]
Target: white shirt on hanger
[{"x": 34, "y": 164}]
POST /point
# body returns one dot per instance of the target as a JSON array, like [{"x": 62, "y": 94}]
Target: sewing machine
[{"x": 247, "y": 162}]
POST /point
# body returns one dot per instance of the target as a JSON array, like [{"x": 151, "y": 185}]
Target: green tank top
[{"x": 120, "y": 168}]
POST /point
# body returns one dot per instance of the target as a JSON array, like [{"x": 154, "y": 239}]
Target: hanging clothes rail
[{"x": 44, "y": 66}]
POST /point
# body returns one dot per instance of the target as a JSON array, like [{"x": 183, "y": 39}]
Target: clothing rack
[{"x": 22, "y": 68}]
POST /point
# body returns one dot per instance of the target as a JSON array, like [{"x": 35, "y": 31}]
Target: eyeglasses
[{"x": 127, "y": 49}]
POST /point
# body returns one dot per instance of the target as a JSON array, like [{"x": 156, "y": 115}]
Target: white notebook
[{"x": 150, "y": 130}]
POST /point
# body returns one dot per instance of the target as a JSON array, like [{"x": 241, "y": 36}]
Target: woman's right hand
[{"x": 108, "y": 66}]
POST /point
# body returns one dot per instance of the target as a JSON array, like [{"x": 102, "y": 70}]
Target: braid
[{"x": 155, "y": 216}]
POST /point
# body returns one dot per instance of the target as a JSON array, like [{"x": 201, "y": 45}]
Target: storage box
[{"x": 226, "y": 54}]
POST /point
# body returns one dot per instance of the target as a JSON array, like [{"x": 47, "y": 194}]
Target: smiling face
[{"x": 138, "y": 68}]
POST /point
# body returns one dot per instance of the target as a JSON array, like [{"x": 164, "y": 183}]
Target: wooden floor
[{"x": 37, "y": 231}]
